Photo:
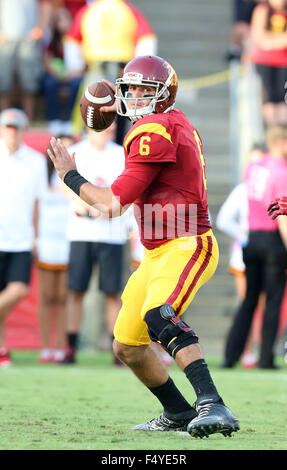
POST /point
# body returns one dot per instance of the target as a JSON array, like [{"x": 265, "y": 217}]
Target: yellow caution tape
[{"x": 209, "y": 80}]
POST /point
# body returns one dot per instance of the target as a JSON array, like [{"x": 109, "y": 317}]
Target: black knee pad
[{"x": 166, "y": 328}]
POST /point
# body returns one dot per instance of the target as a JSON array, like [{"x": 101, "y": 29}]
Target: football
[{"x": 96, "y": 95}]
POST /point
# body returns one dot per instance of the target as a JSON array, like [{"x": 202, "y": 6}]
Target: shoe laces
[
  {"x": 159, "y": 422},
  {"x": 203, "y": 410}
]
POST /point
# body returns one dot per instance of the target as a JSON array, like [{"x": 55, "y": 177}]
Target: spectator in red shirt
[{"x": 269, "y": 54}]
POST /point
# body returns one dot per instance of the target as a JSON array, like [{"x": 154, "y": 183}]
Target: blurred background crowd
[{"x": 61, "y": 291}]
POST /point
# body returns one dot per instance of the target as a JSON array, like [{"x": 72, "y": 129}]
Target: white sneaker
[
  {"x": 249, "y": 360},
  {"x": 58, "y": 355},
  {"x": 46, "y": 355}
]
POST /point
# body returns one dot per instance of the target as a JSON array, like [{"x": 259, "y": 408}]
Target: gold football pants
[{"x": 169, "y": 274}]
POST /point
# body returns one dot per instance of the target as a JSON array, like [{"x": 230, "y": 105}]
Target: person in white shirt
[
  {"x": 232, "y": 219},
  {"x": 94, "y": 238},
  {"x": 20, "y": 190}
]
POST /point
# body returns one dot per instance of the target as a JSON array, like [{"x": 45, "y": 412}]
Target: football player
[{"x": 164, "y": 178}]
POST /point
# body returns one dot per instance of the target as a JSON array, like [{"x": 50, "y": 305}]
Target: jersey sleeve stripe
[{"x": 152, "y": 128}]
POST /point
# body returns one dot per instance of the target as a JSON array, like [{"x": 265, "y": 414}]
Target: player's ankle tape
[{"x": 74, "y": 180}]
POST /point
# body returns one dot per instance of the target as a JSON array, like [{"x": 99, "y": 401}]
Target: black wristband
[{"x": 74, "y": 180}]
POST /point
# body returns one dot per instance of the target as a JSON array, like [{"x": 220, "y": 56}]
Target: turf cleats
[
  {"x": 213, "y": 418},
  {"x": 163, "y": 423}
]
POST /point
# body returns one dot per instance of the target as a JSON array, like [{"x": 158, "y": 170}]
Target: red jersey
[
  {"x": 115, "y": 26},
  {"x": 277, "y": 23},
  {"x": 164, "y": 177}
]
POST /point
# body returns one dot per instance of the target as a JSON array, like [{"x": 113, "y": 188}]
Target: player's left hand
[
  {"x": 62, "y": 159},
  {"x": 278, "y": 207}
]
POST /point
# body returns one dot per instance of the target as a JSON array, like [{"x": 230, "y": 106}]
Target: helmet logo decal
[
  {"x": 137, "y": 76},
  {"x": 171, "y": 70}
]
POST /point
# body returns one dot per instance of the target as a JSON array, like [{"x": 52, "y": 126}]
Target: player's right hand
[
  {"x": 63, "y": 161},
  {"x": 277, "y": 207}
]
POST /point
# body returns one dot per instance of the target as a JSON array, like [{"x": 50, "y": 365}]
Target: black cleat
[
  {"x": 213, "y": 418},
  {"x": 163, "y": 423},
  {"x": 70, "y": 356}
]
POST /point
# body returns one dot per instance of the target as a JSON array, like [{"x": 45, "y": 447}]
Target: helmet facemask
[{"x": 135, "y": 113}]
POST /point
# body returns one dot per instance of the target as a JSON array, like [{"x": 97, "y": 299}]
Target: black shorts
[
  {"x": 273, "y": 82},
  {"x": 15, "y": 267},
  {"x": 83, "y": 255}
]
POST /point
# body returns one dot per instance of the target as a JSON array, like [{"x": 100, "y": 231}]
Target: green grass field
[{"x": 92, "y": 406}]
